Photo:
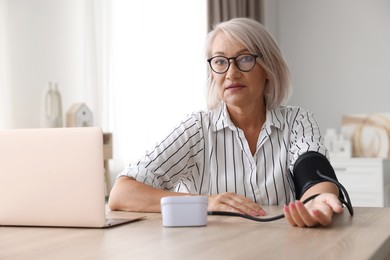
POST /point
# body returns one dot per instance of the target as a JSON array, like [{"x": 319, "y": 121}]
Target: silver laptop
[{"x": 53, "y": 177}]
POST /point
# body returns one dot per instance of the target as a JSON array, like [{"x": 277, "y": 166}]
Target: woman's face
[{"x": 235, "y": 87}]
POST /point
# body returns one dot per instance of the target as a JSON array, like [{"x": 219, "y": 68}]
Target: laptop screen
[{"x": 52, "y": 177}]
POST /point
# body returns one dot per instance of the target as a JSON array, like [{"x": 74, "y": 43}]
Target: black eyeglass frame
[{"x": 255, "y": 56}]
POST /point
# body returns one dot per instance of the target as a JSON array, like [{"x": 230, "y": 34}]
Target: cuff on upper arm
[{"x": 304, "y": 171}]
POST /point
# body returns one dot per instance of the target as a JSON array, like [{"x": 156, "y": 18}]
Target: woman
[{"x": 242, "y": 152}]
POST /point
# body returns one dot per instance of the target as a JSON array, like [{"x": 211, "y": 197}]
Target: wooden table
[{"x": 364, "y": 236}]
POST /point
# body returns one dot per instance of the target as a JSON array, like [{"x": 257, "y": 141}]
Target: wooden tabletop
[{"x": 363, "y": 236}]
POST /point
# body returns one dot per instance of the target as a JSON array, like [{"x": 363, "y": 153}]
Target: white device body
[{"x": 184, "y": 211}]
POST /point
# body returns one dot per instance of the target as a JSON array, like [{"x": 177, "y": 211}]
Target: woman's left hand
[{"x": 318, "y": 211}]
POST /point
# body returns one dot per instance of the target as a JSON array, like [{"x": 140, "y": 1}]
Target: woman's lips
[{"x": 234, "y": 86}]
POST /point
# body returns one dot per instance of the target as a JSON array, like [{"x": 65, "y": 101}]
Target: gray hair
[{"x": 257, "y": 40}]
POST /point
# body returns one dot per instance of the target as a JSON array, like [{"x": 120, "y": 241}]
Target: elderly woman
[{"x": 248, "y": 149}]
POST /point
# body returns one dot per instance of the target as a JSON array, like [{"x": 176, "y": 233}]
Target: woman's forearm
[
  {"x": 322, "y": 187},
  {"x": 128, "y": 194}
]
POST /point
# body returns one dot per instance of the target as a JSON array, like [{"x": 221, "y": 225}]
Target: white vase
[{"x": 51, "y": 107}]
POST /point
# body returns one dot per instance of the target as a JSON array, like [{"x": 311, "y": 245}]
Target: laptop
[{"x": 53, "y": 177}]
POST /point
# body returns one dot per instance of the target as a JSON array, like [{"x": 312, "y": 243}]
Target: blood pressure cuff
[{"x": 305, "y": 172}]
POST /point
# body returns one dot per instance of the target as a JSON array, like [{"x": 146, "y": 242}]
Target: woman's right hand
[{"x": 232, "y": 202}]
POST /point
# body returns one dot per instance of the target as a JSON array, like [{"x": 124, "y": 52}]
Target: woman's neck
[
  {"x": 249, "y": 117},
  {"x": 250, "y": 120}
]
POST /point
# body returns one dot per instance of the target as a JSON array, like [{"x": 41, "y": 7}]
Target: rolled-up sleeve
[{"x": 169, "y": 161}]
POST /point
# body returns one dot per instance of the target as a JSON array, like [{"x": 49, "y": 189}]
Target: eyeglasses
[{"x": 243, "y": 62}]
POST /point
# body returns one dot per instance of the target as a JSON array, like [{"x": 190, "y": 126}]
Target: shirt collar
[
  {"x": 221, "y": 118},
  {"x": 275, "y": 117}
]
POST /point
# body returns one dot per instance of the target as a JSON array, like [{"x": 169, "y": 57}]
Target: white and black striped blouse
[{"x": 207, "y": 154}]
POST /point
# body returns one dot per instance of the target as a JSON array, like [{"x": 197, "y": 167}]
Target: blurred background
[{"x": 140, "y": 65}]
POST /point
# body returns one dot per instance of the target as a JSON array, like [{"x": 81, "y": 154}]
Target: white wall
[
  {"x": 4, "y": 93},
  {"x": 338, "y": 52},
  {"x": 44, "y": 41},
  {"x": 158, "y": 73}
]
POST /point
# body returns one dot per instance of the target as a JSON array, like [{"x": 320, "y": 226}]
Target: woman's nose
[{"x": 233, "y": 71}]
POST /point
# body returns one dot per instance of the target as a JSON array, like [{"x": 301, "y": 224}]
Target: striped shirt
[{"x": 207, "y": 154}]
